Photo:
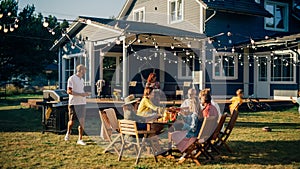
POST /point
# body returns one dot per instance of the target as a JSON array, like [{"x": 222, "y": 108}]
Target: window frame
[
  {"x": 139, "y": 10},
  {"x": 285, "y": 17},
  {"x": 221, "y": 70},
  {"x": 293, "y": 68},
  {"x": 176, "y": 11},
  {"x": 188, "y": 68}
]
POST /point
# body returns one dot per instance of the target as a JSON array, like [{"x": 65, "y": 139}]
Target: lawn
[{"x": 22, "y": 145}]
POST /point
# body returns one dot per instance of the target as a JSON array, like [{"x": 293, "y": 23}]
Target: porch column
[
  {"x": 59, "y": 68},
  {"x": 125, "y": 71},
  {"x": 101, "y": 57},
  {"x": 203, "y": 65},
  {"x": 63, "y": 74},
  {"x": 246, "y": 72},
  {"x": 92, "y": 68}
]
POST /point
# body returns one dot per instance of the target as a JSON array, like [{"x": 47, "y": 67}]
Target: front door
[{"x": 262, "y": 81}]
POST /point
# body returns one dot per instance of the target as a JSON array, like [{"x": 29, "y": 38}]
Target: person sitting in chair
[
  {"x": 146, "y": 106},
  {"x": 130, "y": 113}
]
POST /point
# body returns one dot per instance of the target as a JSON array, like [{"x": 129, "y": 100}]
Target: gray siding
[{"x": 156, "y": 11}]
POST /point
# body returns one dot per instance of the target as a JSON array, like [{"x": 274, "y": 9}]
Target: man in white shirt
[{"x": 77, "y": 102}]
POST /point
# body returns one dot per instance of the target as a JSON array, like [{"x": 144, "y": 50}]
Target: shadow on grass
[
  {"x": 20, "y": 120},
  {"x": 271, "y": 125},
  {"x": 262, "y": 153}
]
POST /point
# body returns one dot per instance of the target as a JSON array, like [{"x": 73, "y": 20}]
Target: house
[{"x": 219, "y": 44}]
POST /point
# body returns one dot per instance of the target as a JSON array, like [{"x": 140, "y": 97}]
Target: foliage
[{"x": 25, "y": 51}]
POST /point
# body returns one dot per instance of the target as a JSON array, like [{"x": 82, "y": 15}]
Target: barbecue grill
[{"x": 55, "y": 110}]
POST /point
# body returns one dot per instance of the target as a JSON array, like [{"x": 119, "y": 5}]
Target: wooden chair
[
  {"x": 222, "y": 137},
  {"x": 217, "y": 132},
  {"x": 194, "y": 147},
  {"x": 110, "y": 128},
  {"x": 129, "y": 128}
]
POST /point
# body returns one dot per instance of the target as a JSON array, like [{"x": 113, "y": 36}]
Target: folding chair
[
  {"x": 217, "y": 132},
  {"x": 109, "y": 128},
  {"x": 129, "y": 128},
  {"x": 194, "y": 147},
  {"x": 223, "y": 136}
]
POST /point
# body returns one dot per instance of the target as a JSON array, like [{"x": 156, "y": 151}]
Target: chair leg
[
  {"x": 228, "y": 148},
  {"x": 122, "y": 148},
  {"x": 215, "y": 149},
  {"x": 196, "y": 161},
  {"x": 112, "y": 144},
  {"x": 140, "y": 151},
  {"x": 153, "y": 152}
]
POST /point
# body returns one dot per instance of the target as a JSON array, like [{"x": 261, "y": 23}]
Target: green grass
[{"x": 22, "y": 145}]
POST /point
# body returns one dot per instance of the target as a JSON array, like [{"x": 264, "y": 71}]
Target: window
[
  {"x": 175, "y": 10},
  {"x": 262, "y": 69},
  {"x": 282, "y": 68},
  {"x": 185, "y": 66},
  {"x": 139, "y": 15},
  {"x": 225, "y": 66},
  {"x": 280, "y": 20}
]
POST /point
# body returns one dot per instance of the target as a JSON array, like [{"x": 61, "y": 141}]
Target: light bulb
[
  {"x": 45, "y": 24},
  {"x": 16, "y": 26},
  {"x": 1, "y": 15},
  {"x": 5, "y": 30},
  {"x": 189, "y": 45},
  {"x": 88, "y": 21},
  {"x": 11, "y": 28},
  {"x": 73, "y": 46},
  {"x": 53, "y": 33},
  {"x": 118, "y": 42},
  {"x": 172, "y": 46},
  {"x": 9, "y": 13},
  {"x": 0, "y": 27}
]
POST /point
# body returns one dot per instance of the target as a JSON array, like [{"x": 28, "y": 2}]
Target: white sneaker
[
  {"x": 81, "y": 142},
  {"x": 67, "y": 137},
  {"x": 182, "y": 157}
]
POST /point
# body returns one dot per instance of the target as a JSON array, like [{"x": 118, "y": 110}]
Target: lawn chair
[
  {"x": 194, "y": 147},
  {"x": 110, "y": 127},
  {"x": 130, "y": 135},
  {"x": 217, "y": 132},
  {"x": 222, "y": 137}
]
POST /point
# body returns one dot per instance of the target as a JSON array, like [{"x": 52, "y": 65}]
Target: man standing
[{"x": 77, "y": 102}]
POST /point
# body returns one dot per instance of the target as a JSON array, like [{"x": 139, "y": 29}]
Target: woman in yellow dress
[{"x": 236, "y": 101}]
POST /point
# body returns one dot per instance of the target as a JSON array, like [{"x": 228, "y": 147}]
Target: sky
[{"x": 71, "y": 9}]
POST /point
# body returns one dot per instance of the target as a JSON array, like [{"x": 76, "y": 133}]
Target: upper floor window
[
  {"x": 175, "y": 10},
  {"x": 279, "y": 21},
  {"x": 225, "y": 66},
  {"x": 139, "y": 15}
]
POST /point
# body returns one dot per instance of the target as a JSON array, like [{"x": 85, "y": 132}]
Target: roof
[
  {"x": 246, "y": 7},
  {"x": 144, "y": 28},
  {"x": 126, "y": 8},
  {"x": 127, "y": 27}
]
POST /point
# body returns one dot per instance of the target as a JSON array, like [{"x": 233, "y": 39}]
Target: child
[
  {"x": 236, "y": 101},
  {"x": 297, "y": 101}
]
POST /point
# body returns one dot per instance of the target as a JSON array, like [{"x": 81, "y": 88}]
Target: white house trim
[{"x": 139, "y": 10}]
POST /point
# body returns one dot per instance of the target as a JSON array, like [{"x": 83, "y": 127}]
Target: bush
[{"x": 12, "y": 90}]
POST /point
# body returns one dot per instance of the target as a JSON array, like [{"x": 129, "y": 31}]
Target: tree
[{"x": 25, "y": 51}]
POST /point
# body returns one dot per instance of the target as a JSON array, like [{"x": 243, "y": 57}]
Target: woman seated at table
[
  {"x": 189, "y": 117},
  {"x": 216, "y": 105},
  {"x": 207, "y": 111},
  {"x": 129, "y": 109},
  {"x": 146, "y": 106}
]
